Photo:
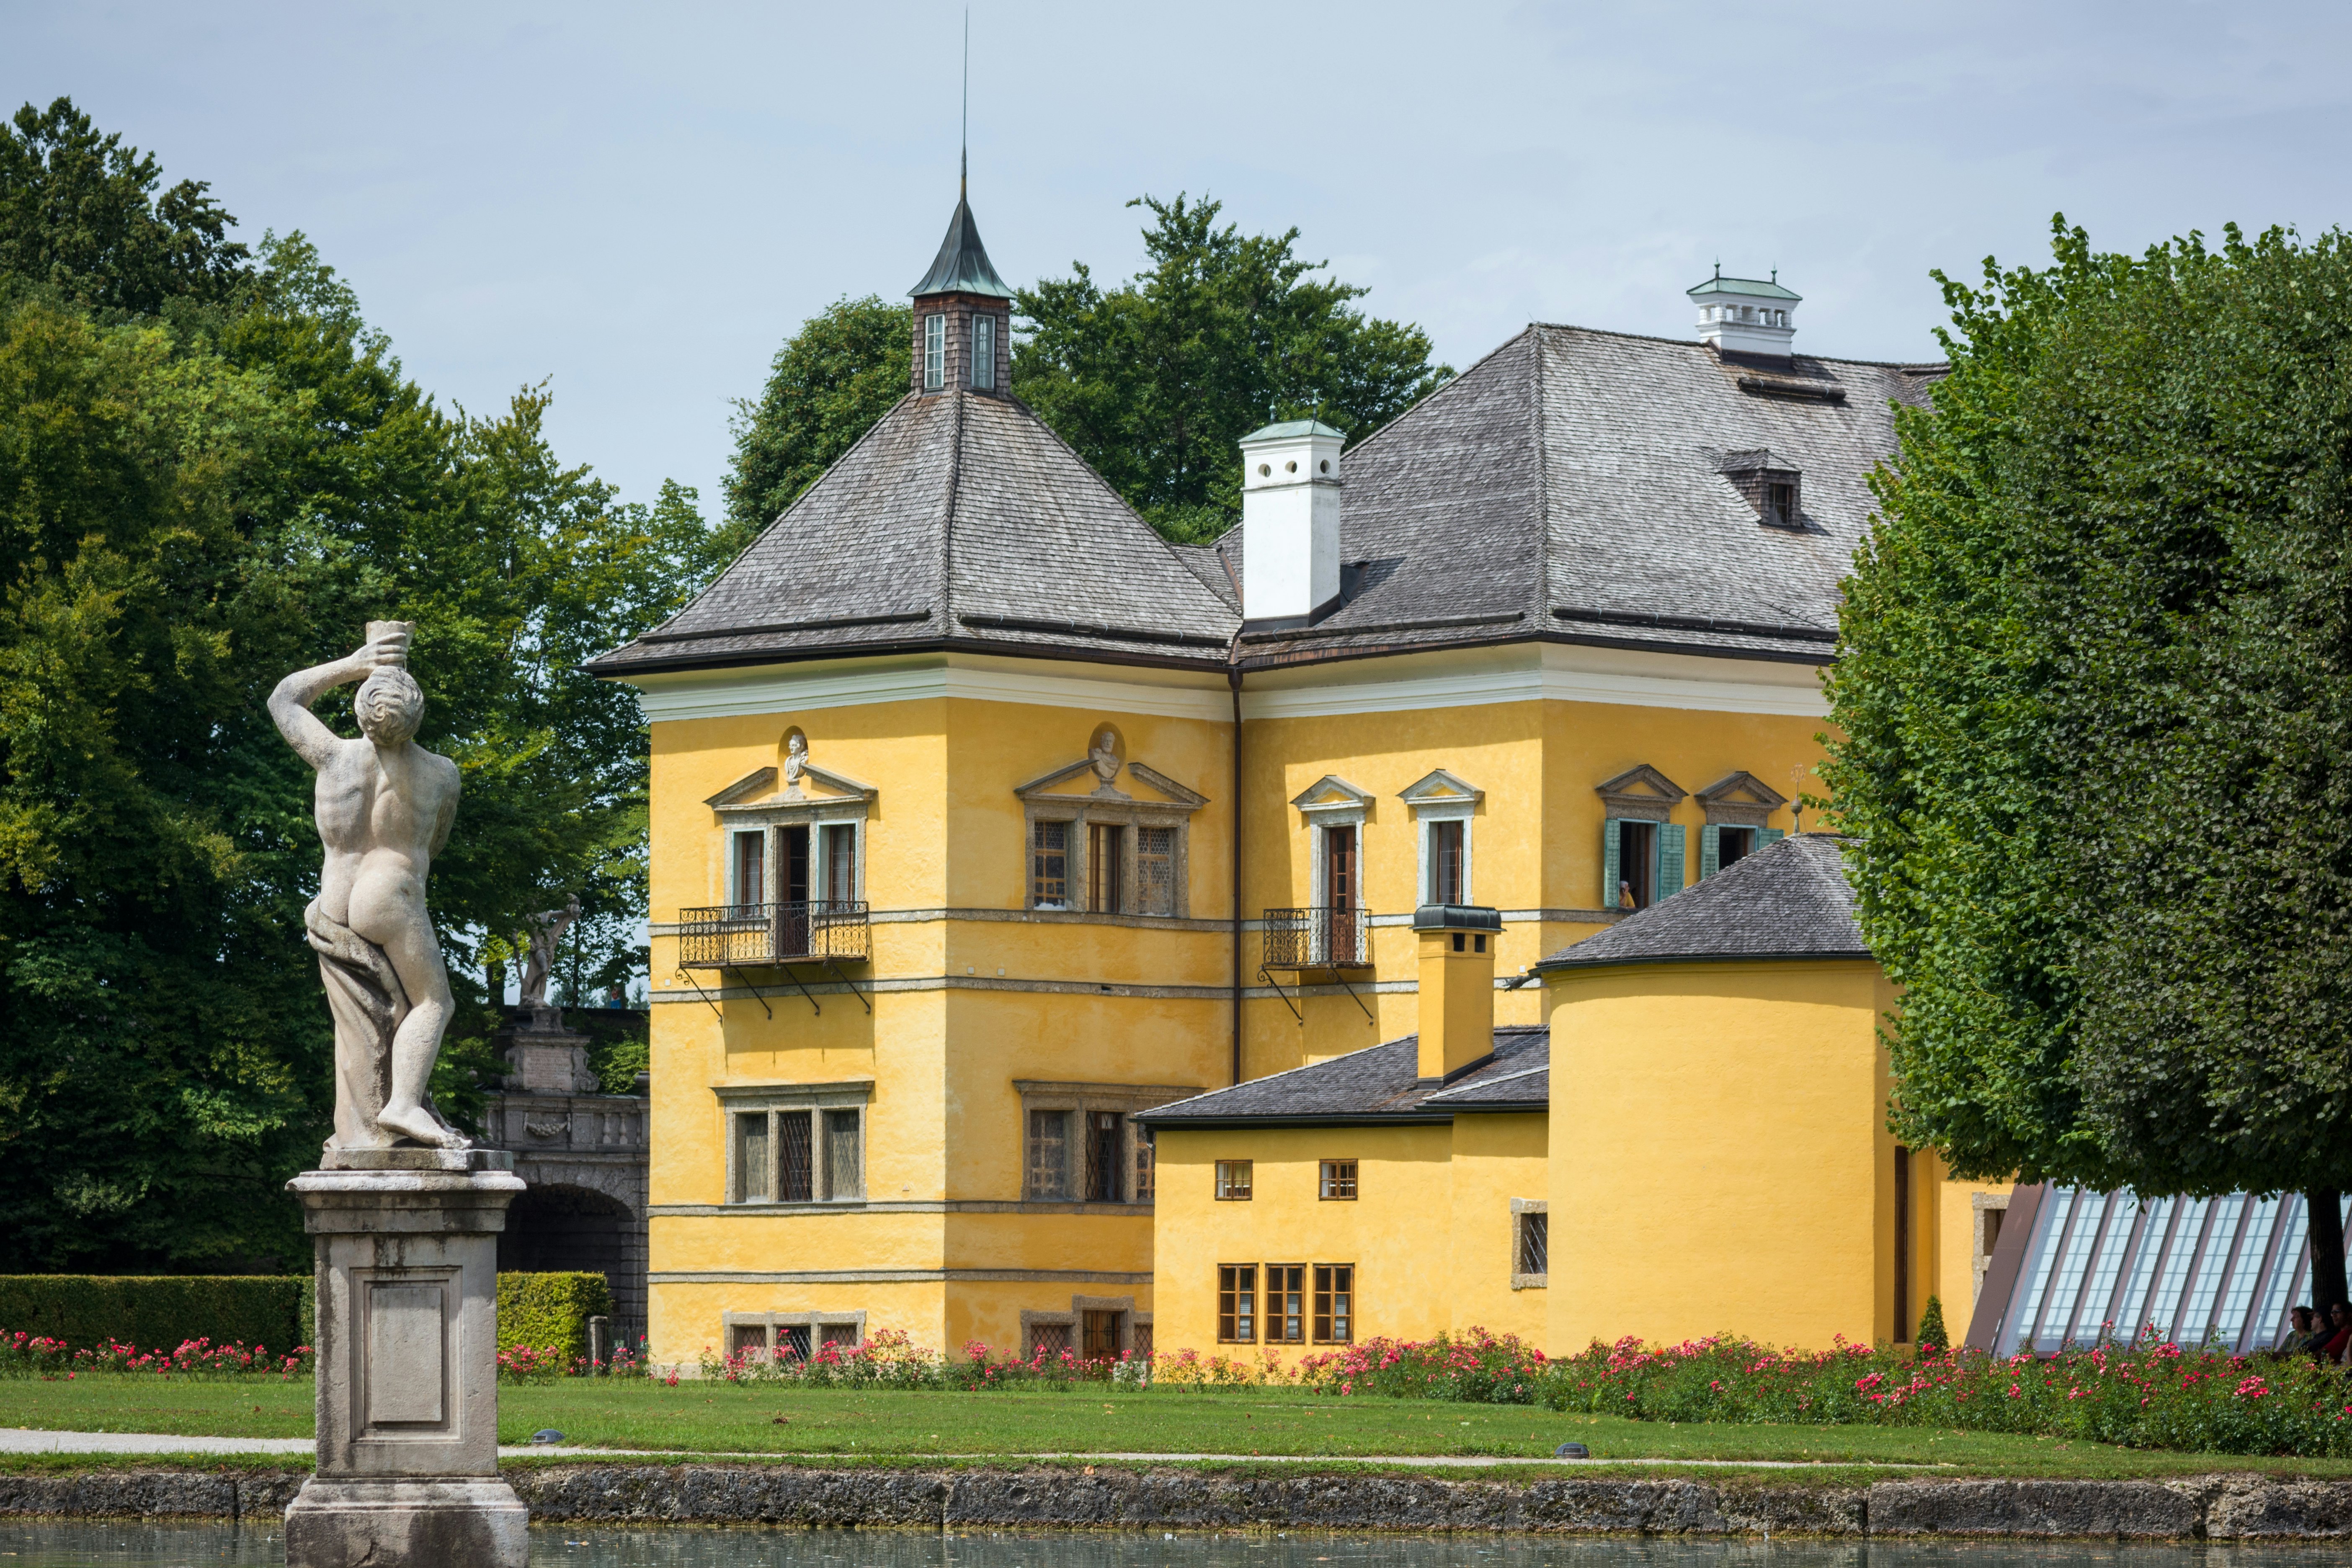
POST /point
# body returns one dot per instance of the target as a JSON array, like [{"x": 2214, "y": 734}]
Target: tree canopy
[
  {"x": 827, "y": 385},
  {"x": 2097, "y": 722},
  {"x": 1153, "y": 382},
  {"x": 212, "y": 473}
]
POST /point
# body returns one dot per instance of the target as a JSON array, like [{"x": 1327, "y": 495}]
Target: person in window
[{"x": 1625, "y": 896}]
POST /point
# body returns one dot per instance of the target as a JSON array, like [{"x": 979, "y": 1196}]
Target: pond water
[{"x": 205, "y": 1546}]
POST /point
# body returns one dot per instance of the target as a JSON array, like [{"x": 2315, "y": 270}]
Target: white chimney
[
  {"x": 1747, "y": 315},
  {"x": 1290, "y": 520}
]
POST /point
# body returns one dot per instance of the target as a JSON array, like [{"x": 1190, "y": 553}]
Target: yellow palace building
[{"x": 985, "y": 822}]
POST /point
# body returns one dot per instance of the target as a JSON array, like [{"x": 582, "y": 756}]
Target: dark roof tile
[
  {"x": 1375, "y": 1084},
  {"x": 1789, "y": 899}
]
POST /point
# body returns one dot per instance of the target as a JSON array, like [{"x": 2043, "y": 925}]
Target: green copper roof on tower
[{"x": 962, "y": 266}]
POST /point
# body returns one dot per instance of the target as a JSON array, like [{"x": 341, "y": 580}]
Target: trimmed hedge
[
  {"x": 550, "y": 1311},
  {"x": 89, "y": 1311}
]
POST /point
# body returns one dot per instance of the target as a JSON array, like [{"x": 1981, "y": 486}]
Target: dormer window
[
  {"x": 935, "y": 352},
  {"x": 1770, "y": 483},
  {"x": 983, "y": 353}
]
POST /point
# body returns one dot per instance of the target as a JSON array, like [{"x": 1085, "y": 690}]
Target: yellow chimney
[{"x": 1457, "y": 986}]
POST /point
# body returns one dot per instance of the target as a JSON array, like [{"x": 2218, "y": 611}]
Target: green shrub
[
  {"x": 89, "y": 1311},
  {"x": 544, "y": 1312},
  {"x": 1933, "y": 1339}
]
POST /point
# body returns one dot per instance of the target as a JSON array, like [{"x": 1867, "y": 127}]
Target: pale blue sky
[{"x": 641, "y": 203}]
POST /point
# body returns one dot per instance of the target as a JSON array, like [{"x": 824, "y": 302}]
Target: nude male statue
[{"x": 383, "y": 806}]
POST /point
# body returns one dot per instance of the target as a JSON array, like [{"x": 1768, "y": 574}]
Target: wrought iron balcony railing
[
  {"x": 1318, "y": 937},
  {"x": 745, "y": 936}
]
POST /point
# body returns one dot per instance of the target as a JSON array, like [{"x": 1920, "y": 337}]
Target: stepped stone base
[{"x": 366, "y": 1524}]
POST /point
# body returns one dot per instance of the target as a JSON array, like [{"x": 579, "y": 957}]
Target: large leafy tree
[
  {"x": 1154, "y": 381},
  {"x": 194, "y": 499},
  {"x": 2097, "y": 726},
  {"x": 827, "y": 385}
]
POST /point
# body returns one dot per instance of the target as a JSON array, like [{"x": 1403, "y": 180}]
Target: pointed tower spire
[{"x": 963, "y": 328}]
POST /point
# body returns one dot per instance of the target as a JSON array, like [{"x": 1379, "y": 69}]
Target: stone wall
[{"x": 2241, "y": 1507}]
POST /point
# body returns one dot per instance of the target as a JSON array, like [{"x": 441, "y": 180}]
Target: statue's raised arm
[{"x": 383, "y": 805}]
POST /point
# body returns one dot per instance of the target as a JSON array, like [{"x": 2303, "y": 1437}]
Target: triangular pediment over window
[
  {"x": 1083, "y": 780},
  {"x": 1740, "y": 799},
  {"x": 1440, "y": 787},
  {"x": 1332, "y": 793},
  {"x": 1641, "y": 791},
  {"x": 815, "y": 786}
]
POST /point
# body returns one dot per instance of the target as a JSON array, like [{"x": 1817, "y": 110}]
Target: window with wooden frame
[
  {"x": 1234, "y": 1178},
  {"x": 1081, "y": 1142},
  {"x": 839, "y": 848},
  {"x": 1237, "y": 1303},
  {"x": 1100, "y": 1335},
  {"x": 1445, "y": 862},
  {"x": 749, "y": 884},
  {"x": 1285, "y": 1303},
  {"x": 1105, "y": 860},
  {"x": 1337, "y": 1183},
  {"x": 1049, "y": 1156},
  {"x": 1049, "y": 864},
  {"x": 795, "y": 1143},
  {"x": 1114, "y": 854},
  {"x": 1334, "y": 1303},
  {"x": 1147, "y": 1175}
]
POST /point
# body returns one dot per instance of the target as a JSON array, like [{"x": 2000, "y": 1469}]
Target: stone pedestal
[
  {"x": 545, "y": 1057},
  {"x": 407, "y": 1364}
]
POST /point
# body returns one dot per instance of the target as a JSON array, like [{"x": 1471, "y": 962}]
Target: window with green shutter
[
  {"x": 1673, "y": 861},
  {"x": 1632, "y": 854}
]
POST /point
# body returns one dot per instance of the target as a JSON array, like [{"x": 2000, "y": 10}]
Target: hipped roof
[{"x": 1789, "y": 899}]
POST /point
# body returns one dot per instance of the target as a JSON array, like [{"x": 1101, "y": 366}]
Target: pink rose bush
[
  {"x": 2151, "y": 1394},
  {"x": 31, "y": 1355}
]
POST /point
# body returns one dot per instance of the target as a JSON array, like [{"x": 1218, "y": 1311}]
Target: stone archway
[{"x": 557, "y": 1228}]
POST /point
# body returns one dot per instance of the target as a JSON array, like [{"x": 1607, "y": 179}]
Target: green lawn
[{"x": 813, "y": 1423}]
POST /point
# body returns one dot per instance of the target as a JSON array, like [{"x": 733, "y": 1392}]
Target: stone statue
[
  {"x": 1105, "y": 758},
  {"x": 795, "y": 759},
  {"x": 546, "y": 929},
  {"x": 383, "y": 806}
]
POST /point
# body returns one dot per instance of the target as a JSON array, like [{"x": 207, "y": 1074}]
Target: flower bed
[
  {"x": 33, "y": 1355},
  {"x": 2151, "y": 1394}
]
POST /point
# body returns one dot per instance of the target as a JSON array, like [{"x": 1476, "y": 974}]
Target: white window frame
[
  {"x": 983, "y": 355},
  {"x": 935, "y": 352},
  {"x": 1332, "y": 801},
  {"x": 814, "y": 1100},
  {"x": 1444, "y": 796}
]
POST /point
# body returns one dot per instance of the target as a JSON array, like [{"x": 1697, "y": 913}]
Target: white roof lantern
[
  {"x": 1747, "y": 315},
  {"x": 1290, "y": 522}
]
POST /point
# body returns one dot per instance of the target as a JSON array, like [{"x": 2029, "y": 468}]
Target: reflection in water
[{"x": 204, "y": 1546}]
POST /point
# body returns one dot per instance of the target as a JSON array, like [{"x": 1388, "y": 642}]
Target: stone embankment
[{"x": 2217, "y": 1508}]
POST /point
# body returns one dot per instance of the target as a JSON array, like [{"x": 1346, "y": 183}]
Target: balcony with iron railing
[
  {"x": 1319, "y": 937},
  {"x": 750, "y": 936}
]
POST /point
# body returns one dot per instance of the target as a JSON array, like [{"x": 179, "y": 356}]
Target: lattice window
[
  {"x": 1155, "y": 870},
  {"x": 1049, "y": 866},
  {"x": 1049, "y": 1154}
]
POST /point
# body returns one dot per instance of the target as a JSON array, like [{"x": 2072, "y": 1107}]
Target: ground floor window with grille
[
  {"x": 792, "y": 1336},
  {"x": 1334, "y": 1303},
  {"x": 1530, "y": 1243},
  {"x": 1049, "y": 1339}
]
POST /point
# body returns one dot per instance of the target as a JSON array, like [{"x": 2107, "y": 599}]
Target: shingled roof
[
  {"x": 1789, "y": 899},
  {"x": 1572, "y": 485},
  {"x": 960, "y": 520},
  {"x": 1377, "y": 1085}
]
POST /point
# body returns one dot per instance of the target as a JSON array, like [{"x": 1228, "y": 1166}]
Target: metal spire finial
[{"x": 963, "y": 156}]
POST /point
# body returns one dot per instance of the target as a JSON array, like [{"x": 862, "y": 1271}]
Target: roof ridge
[
  {"x": 1476, "y": 365},
  {"x": 947, "y": 520},
  {"x": 1157, "y": 538},
  {"x": 1540, "y": 434},
  {"x": 790, "y": 507},
  {"x": 1940, "y": 364}
]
